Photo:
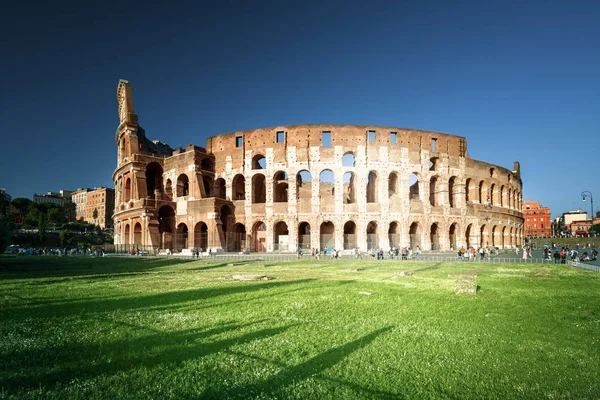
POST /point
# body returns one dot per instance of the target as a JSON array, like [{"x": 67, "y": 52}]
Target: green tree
[
  {"x": 55, "y": 215},
  {"x": 4, "y": 233},
  {"x": 69, "y": 211},
  {"x": 66, "y": 237},
  {"x": 4, "y": 206},
  {"x": 42, "y": 224}
]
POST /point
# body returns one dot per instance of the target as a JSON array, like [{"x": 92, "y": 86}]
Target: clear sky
[{"x": 519, "y": 79}]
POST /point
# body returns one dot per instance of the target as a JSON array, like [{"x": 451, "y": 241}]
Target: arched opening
[
  {"x": 348, "y": 160},
  {"x": 468, "y": 196},
  {"x": 434, "y": 236},
  {"x": 493, "y": 195},
  {"x": 183, "y": 185},
  {"x": 126, "y": 234},
  {"x": 326, "y": 188},
  {"x": 393, "y": 185},
  {"x": 349, "y": 235},
  {"x": 280, "y": 237},
  {"x": 201, "y": 236},
  {"x": 503, "y": 237},
  {"x": 482, "y": 192},
  {"x": 154, "y": 179},
  {"x": 166, "y": 226},
  {"x": 451, "y": 191},
  {"x": 208, "y": 183},
  {"x": 207, "y": 164},
  {"x": 372, "y": 187},
  {"x": 304, "y": 189},
  {"x": 511, "y": 236},
  {"x": 434, "y": 192},
  {"x": 225, "y": 218},
  {"x": 413, "y": 187},
  {"x": 327, "y": 236},
  {"x": 238, "y": 237},
  {"x": 280, "y": 187},
  {"x": 304, "y": 235},
  {"x": 259, "y": 162},
  {"x": 128, "y": 189},
  {"x": 220, "y": 192},
  {"x": 372, "y": 236},
  {"x": 259, "y": 189},
  {"x": 182, "y": 237},
  {"x": 169, "y": 189},
  {"x": 483, "y": 235},
  {"x": 349, "y": 190},
  {"x": 452, "y": 236},
  {"x": 415, "y": 235},
  {"x": 501, "y": 195},
  {"x": 239, "y": 187},
  {"x": 137, "y": 234},
  {"x": 433, "y": 164},
  {"x": 393, "y": 235},
  {"x": 494, "y": 233},
  {"x": 470, "y": 240},
  {"x": 123, "y": 151},
  {"x": 259, "y": 237}
]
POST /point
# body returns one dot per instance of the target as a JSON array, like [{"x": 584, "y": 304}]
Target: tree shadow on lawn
[
  {"x": 287, "y": 375},
  {"x": 61, "y": 267},
  {"x": 167, "y": 299},
  {"x": 63, "y": 364}
]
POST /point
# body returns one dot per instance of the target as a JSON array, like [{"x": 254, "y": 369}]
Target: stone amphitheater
[{"x": 320, "y": 187}]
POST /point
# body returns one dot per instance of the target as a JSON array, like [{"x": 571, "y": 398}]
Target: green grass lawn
[{"x": 153, "y": 328}]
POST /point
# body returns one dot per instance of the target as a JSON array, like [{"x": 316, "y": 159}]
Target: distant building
[
  {"x": 581, "y": 228},
  {"x": 537, "y": 219},
  {"x": 60, "y": 198},
  {"x": 563, "y": 225},
  {"x": 79, "y": 198},
  {"x": 99, "y": 207},
  {"x": 5, "y": 195}
]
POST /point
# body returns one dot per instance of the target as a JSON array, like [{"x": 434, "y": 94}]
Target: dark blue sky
[{"x": 519, "y": 81}]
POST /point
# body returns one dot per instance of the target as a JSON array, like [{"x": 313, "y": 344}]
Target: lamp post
[{"x": 585, "y": 194}]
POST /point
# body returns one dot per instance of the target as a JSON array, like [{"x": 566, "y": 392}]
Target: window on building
[
  {"x": 433, "y": 143},
  {"x": 392, "y": 137},
  {"x": 326, "y": 139},
  {"x": 371, "y": 136},
  {"x": 280, "y": 136},
  {"x": 239, "y": 141}
]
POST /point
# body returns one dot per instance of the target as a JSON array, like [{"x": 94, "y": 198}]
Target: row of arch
[{"x": 480, "y": 192}]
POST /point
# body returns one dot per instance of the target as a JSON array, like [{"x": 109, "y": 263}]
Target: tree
[
  {"x": 22, "y": 204},
  {"x": 4, "y": 233},
  {"x": 66, "y": 237},
  {"x": 69, "y": 210},
  {"x": 95, "y": 214},
  {"x": 55, "y": 215},
  {"x": 42, "y": 223}
]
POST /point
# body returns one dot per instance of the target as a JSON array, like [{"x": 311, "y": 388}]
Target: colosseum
[{"x": 310, "y": 186}]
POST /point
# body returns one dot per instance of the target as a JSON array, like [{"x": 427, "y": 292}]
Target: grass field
[{"x": 158, "y": 329}]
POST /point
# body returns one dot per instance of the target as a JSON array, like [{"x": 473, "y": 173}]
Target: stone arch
[
  {"x": 452, "y": 191},
  {"x": 372, "y": 235},
  {"x": 434, "y": 191},
  {"x": 350, "y": 235},
  {"x": 126, "y": 234},
  {"x": 181, "y": 236},
  {"x": 259, "y": 162},
  {"x": 259, "y": 237},
  {"x": 349, "y": 188},
  {"x": 483, "y": 192},
  {"x": 238, "y": 237},
  {"x": 433, "y": 163},
  {"x": 372, "y": 187},
  {"x": 348, "y": 160},
  {"x": 207, "y": 164},
  {"x": 511, "y": 237},
  {"x": 394, "y": 235},
  {"x": 493, "y": 196},
  {"x": 470, "y": 193},
  {"x": 238, "y": 187},
  {"x": 304, "y": 186},
  {"x": 452, "y": 231},
  {"x": 304, "y": 235},
  {"x": 259, "y": 189},
  {"x": 434, "y": 236},
  {"x": 169, "y": 189},
  {"x": 494, "y": 233},
  {"x": 469, "y": 237},
  {"x": 280, "y": 187},
  {"x": 503, "y": 237},
  {"x": 208, "y": 183},
  {"x": 226, "y": 219},
  {"x": 326, "y": 186},
  {"x": 280, "y": 230},
  {"x": 128, "y": 189},
  {"x": 154, "y": 179},
  {"x": 220, "y": 190},
  {"x": 413, "y": 187},
  {"x": 137, "y": 234},
  {"x": 483, "y": 236},
  {"x": 183, "y": 185},
  {"x": 201, "y": 236},
  {"x": 393, "y": 188},
  {"x": 327, "y": 239},
  {"x": 166, "y": 226},
  {"x": 415, "y": 234}
]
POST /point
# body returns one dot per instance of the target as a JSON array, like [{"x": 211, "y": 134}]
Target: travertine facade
[{"x": 313, "y": 186}]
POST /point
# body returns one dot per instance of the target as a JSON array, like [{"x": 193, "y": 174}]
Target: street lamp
[{"x": 585, "y": 194}]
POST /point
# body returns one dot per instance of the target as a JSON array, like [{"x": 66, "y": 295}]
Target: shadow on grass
[
  {"x": 314, "y": 368},
  {"x": 59, "y": 267},
  {"x": 63, "y": 364},
  {"x": 148, "y": 303}
]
